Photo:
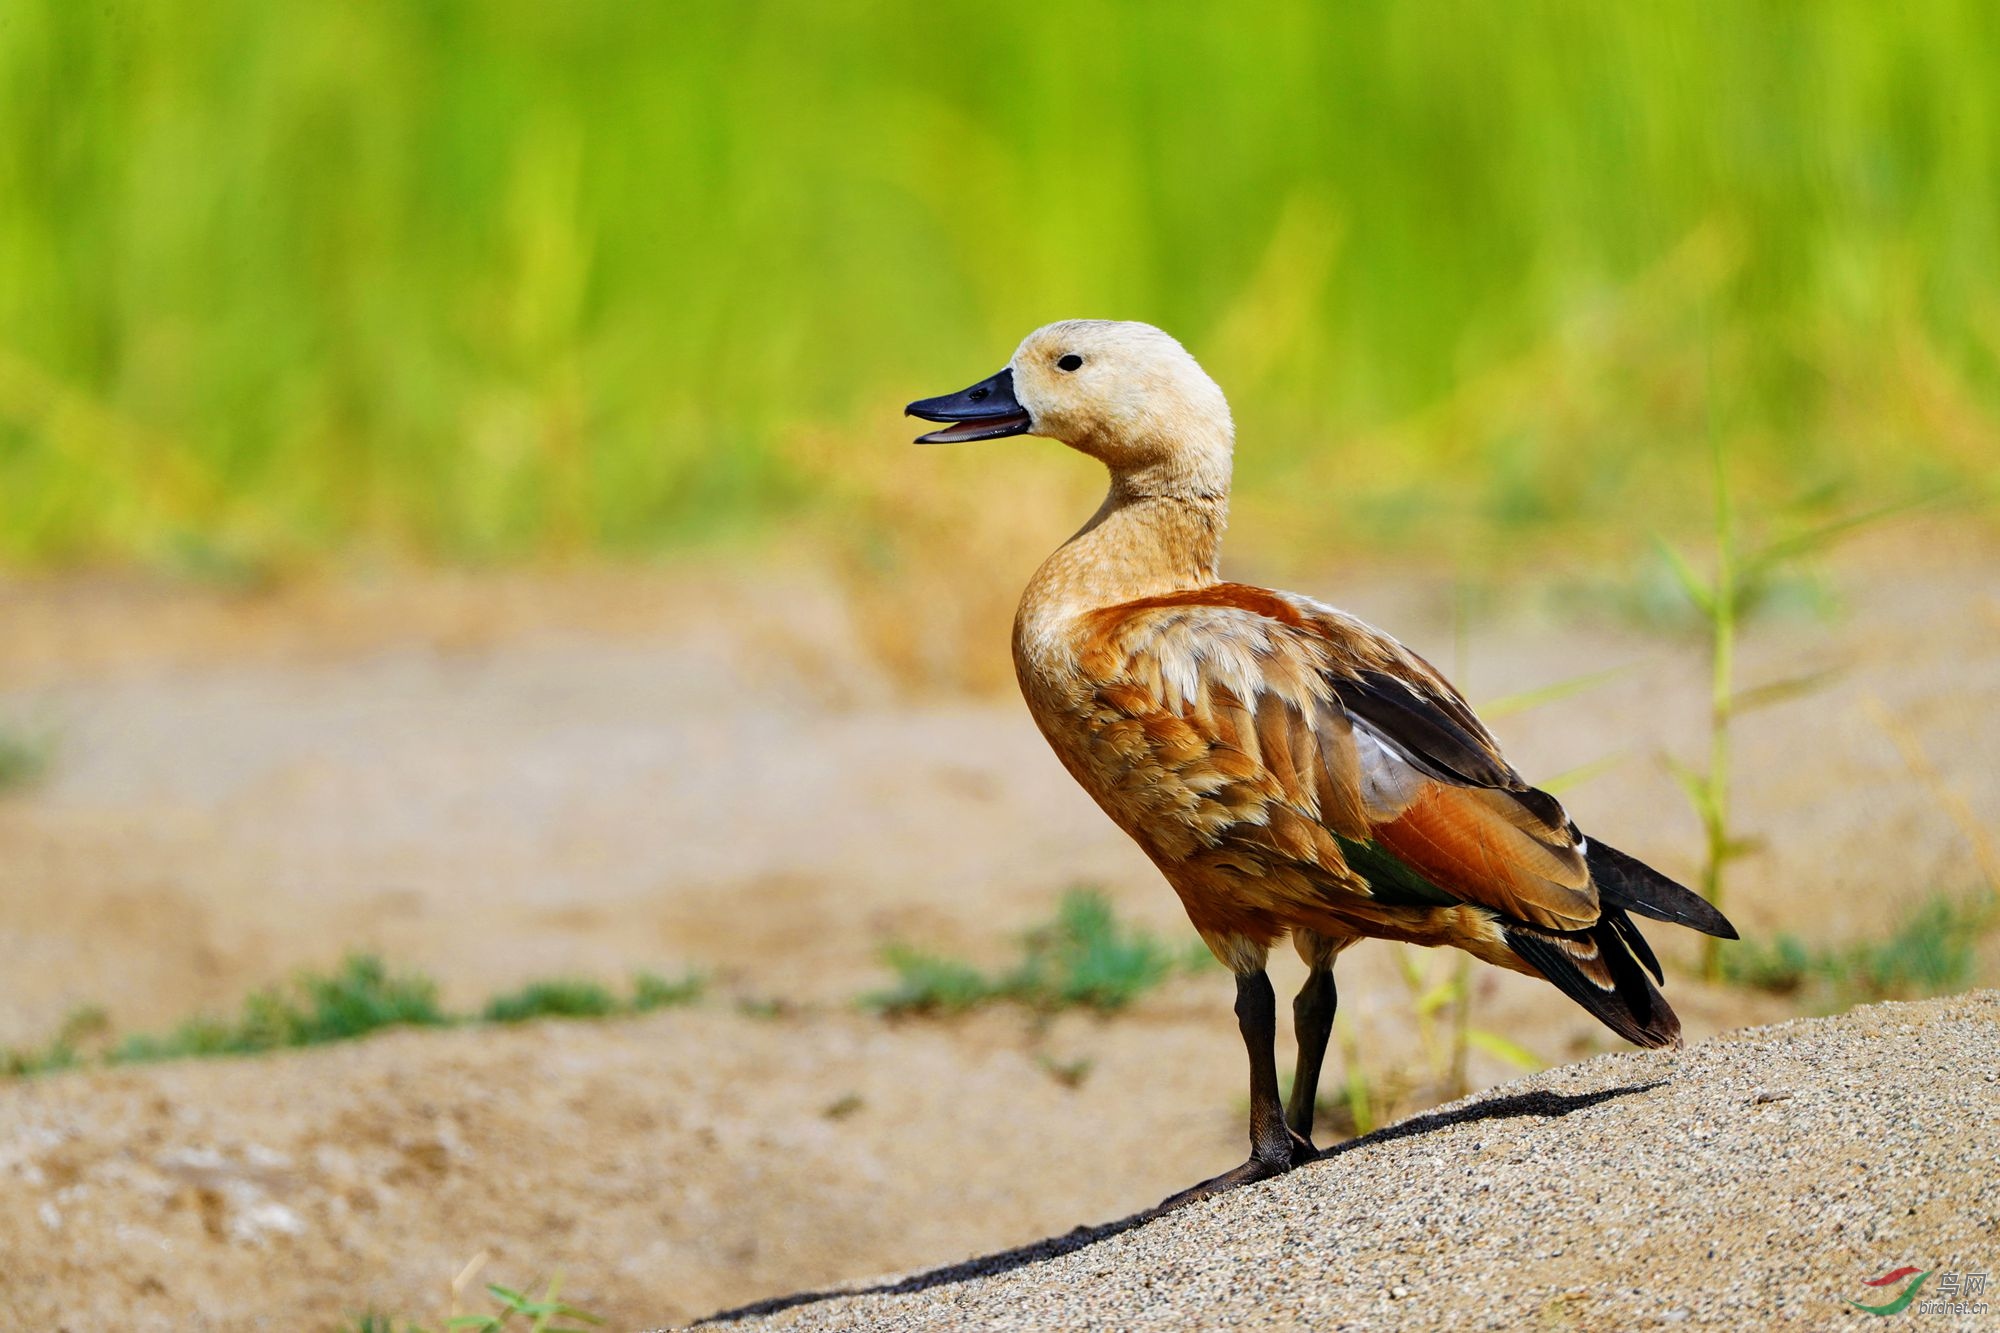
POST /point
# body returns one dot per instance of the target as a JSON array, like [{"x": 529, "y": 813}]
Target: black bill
[{"x": 986, "y": 411}]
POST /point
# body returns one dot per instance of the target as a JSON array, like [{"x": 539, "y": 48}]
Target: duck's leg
[
  {"x": 1312, "y": 1022},
  {"x": 1274, "y": 1149}
]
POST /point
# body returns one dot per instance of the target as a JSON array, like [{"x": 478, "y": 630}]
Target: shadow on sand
[{"x": 1542, "y": 1104}]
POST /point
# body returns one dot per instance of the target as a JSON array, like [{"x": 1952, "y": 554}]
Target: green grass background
[{"x": 498, "y": 280}]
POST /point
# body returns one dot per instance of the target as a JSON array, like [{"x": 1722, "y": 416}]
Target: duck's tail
[
  {"x": 1604, "y": 968},
  {"x": 1600, "y": 968},
  {"x": 1627, "y": 882}
]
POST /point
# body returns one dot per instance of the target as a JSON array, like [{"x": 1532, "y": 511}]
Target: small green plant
[
  {"x": 652, "y": 991},
  {"x": 361, "y": 997},
  {"x": 575, "y": 997},
  {"x": 1934, "y": 951},
  {"x": 560, "y": 998},
  {"x": 373, "y": 1321},
  {"x": 19, "y": 1062},
  {"x": 191, "y": 1038},
  {"x": 538, "y": 1315},
  {"x": 83, "y": 1026},
  {"x": 1449, "y": 996},
  {"x": 1781, "y": 966},
  {"x": 24, "y": 757},
  {"x": 358, "y": 998},
  {"x": 930, "y": 984},
  {"x": 1084, "y": 957},
  {"x": 1743, "y": 575}
]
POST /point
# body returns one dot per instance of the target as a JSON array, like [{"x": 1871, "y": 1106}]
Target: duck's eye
[{"x": 1069, "y": 362}]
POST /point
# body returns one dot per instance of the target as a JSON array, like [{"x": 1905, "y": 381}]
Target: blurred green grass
[{"x": 491, "y": 281}]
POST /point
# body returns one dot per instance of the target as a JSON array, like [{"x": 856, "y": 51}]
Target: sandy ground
[
  {"x": 507, "y": 778},
  {"x": 1759, "y": 1180}
]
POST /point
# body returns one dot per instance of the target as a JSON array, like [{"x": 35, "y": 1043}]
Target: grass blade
[
  {"x": 1582, "y": 773},
  {"x": 1508, "y": 704},
  {"x": 1503, "y": 1049},
  {"x": 1814, "y": 540},
  {"x": 1698, "y": 589},
  {"x": 1781, "y": 691}
]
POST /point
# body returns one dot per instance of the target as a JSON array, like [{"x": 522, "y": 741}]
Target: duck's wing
[
  {"x": 1269, "y": 740},
  {"x": 1288, "y": 728},
  {"x": 1403, "y": 703}
]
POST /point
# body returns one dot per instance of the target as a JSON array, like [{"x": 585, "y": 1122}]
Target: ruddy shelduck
[{"x": 1290, "y": 769}]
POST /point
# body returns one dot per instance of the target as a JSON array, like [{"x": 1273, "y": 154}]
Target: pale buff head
[{"x": 1124, "y": 393}]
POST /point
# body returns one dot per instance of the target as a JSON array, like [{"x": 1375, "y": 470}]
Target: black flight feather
[
  {"x": 1631, "y": 1006},
  {"x": 1627, "y": 882}
]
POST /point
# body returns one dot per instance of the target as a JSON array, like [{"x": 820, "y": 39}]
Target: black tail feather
[
  {"x": 1598, "y": 970},
  {"x": 1636, "y": 943},
  {"x": 1627, "y": 882}
]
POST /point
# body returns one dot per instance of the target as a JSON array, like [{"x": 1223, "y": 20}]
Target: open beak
[{"x": 986, "y": 411}]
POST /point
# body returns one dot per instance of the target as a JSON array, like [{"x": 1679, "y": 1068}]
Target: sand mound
[{"x": 1758, "y": 1178}]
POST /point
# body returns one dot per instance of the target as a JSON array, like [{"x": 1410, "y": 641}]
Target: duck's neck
[{"x": 1158, "y": 531}]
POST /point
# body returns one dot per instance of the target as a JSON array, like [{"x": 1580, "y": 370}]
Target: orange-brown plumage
[
  {"x": 1466, "y": 842},
  {"x": 1213, "y": 733},
  {"x": 1289, "y": 769}
]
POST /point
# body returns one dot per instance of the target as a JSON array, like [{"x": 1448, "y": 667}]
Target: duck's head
[{"x": 1124, "y": 393}]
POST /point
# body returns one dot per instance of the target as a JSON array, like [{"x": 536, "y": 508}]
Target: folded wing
[
  {"x": 1267, "y": 731},
  {"x": 1293, "y": 727}
]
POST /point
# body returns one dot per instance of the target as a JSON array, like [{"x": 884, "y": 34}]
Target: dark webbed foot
[{"x": 1259, "y": 1167}]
